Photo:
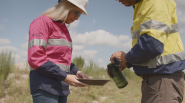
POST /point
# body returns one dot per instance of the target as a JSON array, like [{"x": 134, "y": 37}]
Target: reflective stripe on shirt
[
  {"x": 59, "y": 42},
  {"x": 37, "y": 42},
  {"x": 174, "y": 28},
  {"x": 51, "y": 42},
  {"x": 166, "y": 59},
  {"x": 63, "y": 67},
  {"x": 152, "y": 24}
]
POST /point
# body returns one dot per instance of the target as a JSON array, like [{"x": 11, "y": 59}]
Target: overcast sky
[{"x": 104, "y": 31}]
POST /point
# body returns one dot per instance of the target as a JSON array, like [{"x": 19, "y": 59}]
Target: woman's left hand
[{"x": 81, "y": 75}]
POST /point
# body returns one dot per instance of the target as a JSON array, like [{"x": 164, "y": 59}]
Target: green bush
[
  {"x": 92, "y": 69},
  {"x": 6, "y": 63},
  {"x": 79, "y": 62}
]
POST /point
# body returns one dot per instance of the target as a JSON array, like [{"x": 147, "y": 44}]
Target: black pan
[{"x": 96, "y": 82}]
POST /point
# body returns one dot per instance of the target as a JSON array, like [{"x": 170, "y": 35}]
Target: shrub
[
  {"x": 6, "y": 63},
  {"x": 79, "y": 62}
]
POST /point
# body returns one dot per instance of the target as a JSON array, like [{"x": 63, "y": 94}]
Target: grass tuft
[{"x": 16, "y": 87}]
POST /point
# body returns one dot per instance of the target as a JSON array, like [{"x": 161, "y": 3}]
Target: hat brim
[{"x": 82, "y": 8}]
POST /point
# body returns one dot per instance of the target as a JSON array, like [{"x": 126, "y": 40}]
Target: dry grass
[
  {"x": 19, "y": 92},
  {"x": 15, "y": 88},
  {"x": 109, "y": 93}
]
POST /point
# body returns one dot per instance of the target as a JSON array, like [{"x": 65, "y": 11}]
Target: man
[{"x": 157, "y": 54}]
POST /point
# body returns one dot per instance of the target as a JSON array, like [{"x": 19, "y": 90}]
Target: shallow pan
[{"x": 96, "y": 82}]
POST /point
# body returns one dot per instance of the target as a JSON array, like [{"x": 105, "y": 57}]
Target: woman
[{"x": 49, "y": 53}]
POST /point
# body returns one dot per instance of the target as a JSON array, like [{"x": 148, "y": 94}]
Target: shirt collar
[
  {"x": 59, "y": 21},
  {"x": 137, "y": 1}
]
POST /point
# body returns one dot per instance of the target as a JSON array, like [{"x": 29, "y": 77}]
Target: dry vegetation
[{"x": 15, "y": 85}]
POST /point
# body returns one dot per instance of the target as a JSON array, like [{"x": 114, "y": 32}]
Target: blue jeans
[{"x": 41, "y": 96}]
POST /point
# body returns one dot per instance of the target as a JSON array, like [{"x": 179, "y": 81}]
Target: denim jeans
[{"x": 41, "y": 96}]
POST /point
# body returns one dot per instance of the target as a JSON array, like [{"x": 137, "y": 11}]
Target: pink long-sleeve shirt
[{"x": 49, "y": 56}]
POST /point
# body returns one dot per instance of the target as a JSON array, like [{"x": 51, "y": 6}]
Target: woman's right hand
[{"x": 72, "y": 80}]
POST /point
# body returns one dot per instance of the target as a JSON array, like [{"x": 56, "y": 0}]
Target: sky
[{"x": 95, "y": 37}]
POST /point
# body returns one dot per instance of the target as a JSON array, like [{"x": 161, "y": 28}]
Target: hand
[
  {"x": 121, "y": 56},
  {"x": 81, "y": 75},
  {"x": 122, "y": 67},
  {"x": 72, "y": 80}
]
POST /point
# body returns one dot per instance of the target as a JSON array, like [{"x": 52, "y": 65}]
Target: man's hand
[
  {"x": 121, "y": 56},
  {"x": 72, "y": 80},
  {"x": 81, "y": 75}
]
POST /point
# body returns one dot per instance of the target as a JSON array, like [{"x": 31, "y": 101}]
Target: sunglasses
[{"x": 77, "y": 13}]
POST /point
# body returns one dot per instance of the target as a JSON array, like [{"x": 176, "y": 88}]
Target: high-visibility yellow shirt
[{"x": 157, "y": 46}]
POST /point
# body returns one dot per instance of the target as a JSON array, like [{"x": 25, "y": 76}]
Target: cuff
[
  {"x": 129, "y": 65},
  {"x": 73, "y": 69}
]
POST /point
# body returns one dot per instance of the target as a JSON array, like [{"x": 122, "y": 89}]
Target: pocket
[
  {"x": 60, "y": 49},
  {"x": 153, "y": 84},
  {"x": 151, "y": 90},
  {"x": 58, "y": 35}
]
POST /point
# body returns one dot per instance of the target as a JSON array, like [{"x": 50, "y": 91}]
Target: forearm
[
  {"x": 52, "y": 70},
  {"x": 146, "y": 48}
]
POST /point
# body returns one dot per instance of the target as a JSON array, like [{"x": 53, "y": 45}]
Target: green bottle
[{"x": 116, "y": 74}]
